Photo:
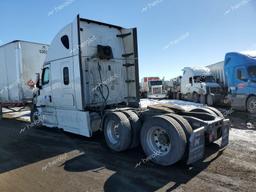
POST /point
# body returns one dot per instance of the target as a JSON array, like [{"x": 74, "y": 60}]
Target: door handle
[{"x": 50, "y": 98}]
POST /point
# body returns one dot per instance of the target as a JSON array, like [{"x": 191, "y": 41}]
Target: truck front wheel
[
  {"x": 210, "y": 100},
  {"x": 35, "y": 117},
  {"x": 202, "y": 99},
  {"x": 117, "y": 131},
  {"x": 251, "y": 104},
  {"x": 195, "y": 97},
  {"x": 163, "y": 140}
]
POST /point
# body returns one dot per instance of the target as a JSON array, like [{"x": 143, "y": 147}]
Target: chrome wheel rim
[
  {"x": 252, "y": 106},
  {"x": 35, "y": 116},
  {"x": 113, "y": 131},
  {"x": 159, "y": 141}
]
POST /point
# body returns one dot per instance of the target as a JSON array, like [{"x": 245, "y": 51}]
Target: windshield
[
  {"x": 252, "y": 71},
  {"x": 206, "y": 79},
  {"x": 154, "y": 83}
]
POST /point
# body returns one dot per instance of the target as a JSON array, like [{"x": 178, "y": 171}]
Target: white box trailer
[{"x": 19, "y": 63}]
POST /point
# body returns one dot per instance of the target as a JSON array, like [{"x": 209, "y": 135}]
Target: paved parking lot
[{"x": 44, "y": 159}]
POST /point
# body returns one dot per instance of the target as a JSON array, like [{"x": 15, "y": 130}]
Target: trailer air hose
[{"x": 101, "y": 86}]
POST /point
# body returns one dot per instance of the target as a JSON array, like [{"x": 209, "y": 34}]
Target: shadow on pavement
[
  {"x": 147, "y": 177},
  {"x": 37, "y": 144},
  {"x": 20, "y": 148}
]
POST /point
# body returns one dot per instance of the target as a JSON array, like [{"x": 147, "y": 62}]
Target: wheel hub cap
[
  {"x": 113, "y": 131},
  {"x": 159, "y": 141}
]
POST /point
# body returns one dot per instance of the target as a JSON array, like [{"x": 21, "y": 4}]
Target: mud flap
[
  {"x": 196, "y": 145},
  {"x": 225, "y": 133}
]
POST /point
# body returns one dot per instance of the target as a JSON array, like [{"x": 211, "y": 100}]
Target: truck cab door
[
  {"x": 62, "y": 85},
  {"x": 240, "y": 90},
  {"x": 45, "y": 100}
]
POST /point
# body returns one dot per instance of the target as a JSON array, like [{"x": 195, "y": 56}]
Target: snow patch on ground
[
  {"x": 243, "y": 139},
  {"x": 244, "y": 135},
  {"x": 23, "y": 115}
]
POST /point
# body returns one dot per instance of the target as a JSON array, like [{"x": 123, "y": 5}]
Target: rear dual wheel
[
  {"x": 135, "y": 128},
  {"x": 121, "y": 130},
  {"x": 187, "y": 130},
  {"x": 117, "y": 131},
  {"x": 163, "y": 140}
]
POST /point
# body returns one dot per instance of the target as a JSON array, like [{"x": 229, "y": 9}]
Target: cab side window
[
  {"x": 65, "y": 76},
  {"x": 45, "y": 76},
  {"x": 191, "y": 80},
  {"x": 65, "y": 41},
  {"x": 241, "y": 74}
]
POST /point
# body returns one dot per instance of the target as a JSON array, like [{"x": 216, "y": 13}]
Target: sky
[{"x": 172, "y": 34}]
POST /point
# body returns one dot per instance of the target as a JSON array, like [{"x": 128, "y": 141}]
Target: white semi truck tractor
[
  {"x": 90, "y": 82},
  {"x": 197, "y": 84}
]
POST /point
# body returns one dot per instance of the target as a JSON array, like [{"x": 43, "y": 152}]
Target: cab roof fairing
[{"x": 198, "y": 71}]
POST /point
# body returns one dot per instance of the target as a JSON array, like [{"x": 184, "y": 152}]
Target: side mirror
[{"x": 38, "y": 83}]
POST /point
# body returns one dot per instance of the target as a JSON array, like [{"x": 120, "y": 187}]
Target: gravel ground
[{"x": 45, "y": 159}]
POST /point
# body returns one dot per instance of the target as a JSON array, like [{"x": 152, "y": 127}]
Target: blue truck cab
[{"x": 240, "y": 73}]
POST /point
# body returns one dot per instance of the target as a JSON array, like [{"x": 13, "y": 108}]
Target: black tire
[
  {"x": 176, "y": 137},
  {"x": 195, "y": 97},
  {"x": 35, "y": 117},
  {"x": 251, "y": 104},
  {"x": 122, "y": 141},
  {"x": 135, "y": 126},
  {"x": 187, "y": 130},
  {"x": 184, "y": 124},
  {"x": 178, "y": 96},
  {"x": 209, "y": 100},
  {"x": 144, "y": 94},
  {"x": 33, "y": 110},
  {"x": 202, "y": 99},
  {"x": 174, "y": 96}
]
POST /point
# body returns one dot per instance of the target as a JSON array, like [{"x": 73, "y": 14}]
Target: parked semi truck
[
  {"x": 19, "y": 63},
  {"x": 173, "y": 87},
  {"x": 88, "y": 87},
  {"x": 237, "y": 75},
  {"x": 151, "y": 87},
  {"x": 197, "y": 84}
]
